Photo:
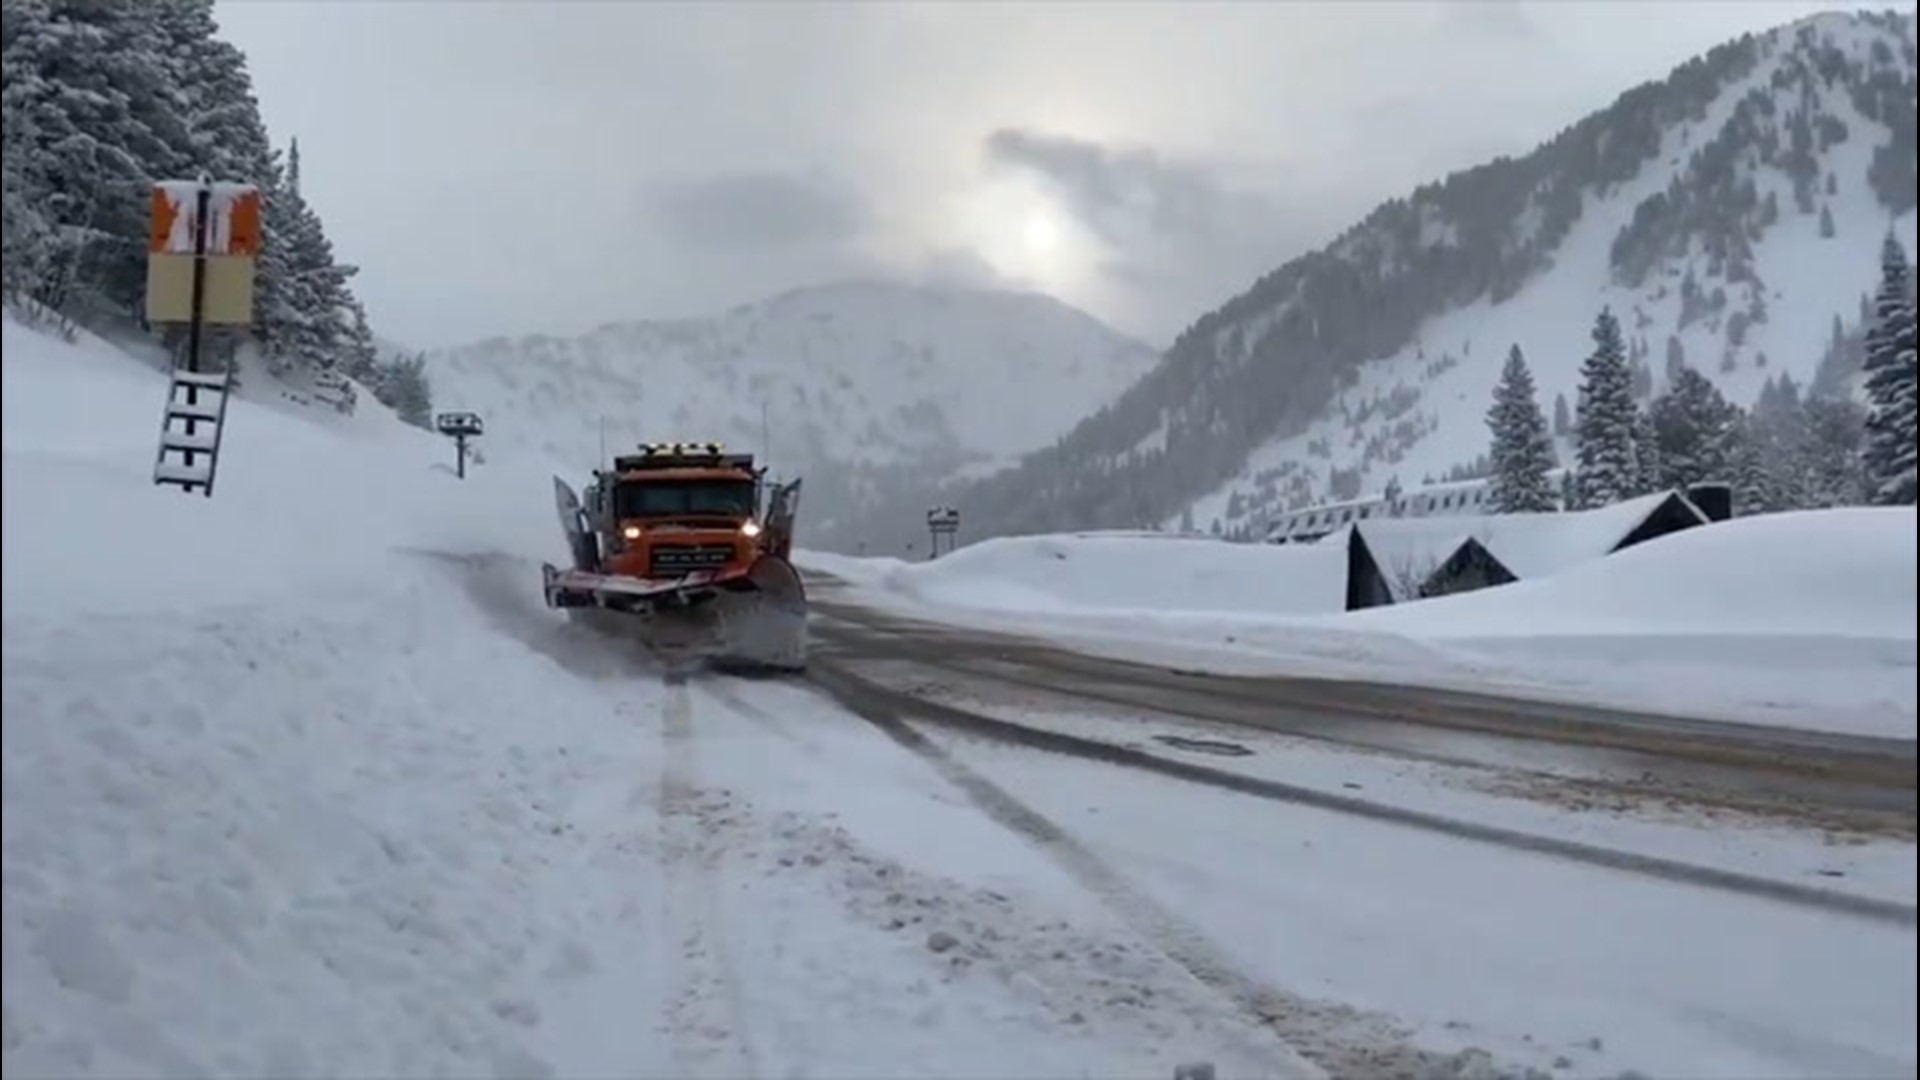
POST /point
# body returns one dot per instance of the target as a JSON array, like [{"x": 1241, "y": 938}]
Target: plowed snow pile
[
  {"x": 1804, "y": 619},
  {"x": 275, "y": 789}
]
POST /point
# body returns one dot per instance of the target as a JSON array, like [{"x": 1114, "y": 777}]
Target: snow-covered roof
[
  {"x": 1528, "y": 545},
  {"x": 1407, "y": 549}
]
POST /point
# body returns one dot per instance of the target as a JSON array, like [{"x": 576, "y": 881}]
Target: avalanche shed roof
[{"x": 1407, "y": 550}]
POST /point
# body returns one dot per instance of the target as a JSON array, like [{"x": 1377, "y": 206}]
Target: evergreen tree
[
  {"x": 103, "y": 99},
  {"x": 1773, "y": 472},
  {"x": 361, "y": 356},
  {"x": 306, "y": 312},
  {"x": 82, "y": 93},
  {"x": 1835, "y": 436},
  {"x": 403, "y": 387},
  {"x": 1676, "y": 359},
  {"x": 1648, "y": 475},
  {"x": 1604, "y": 420},
  {"x": 1694, "y": 431},
  {"x": 1891, "y": 384},
  {"x": 1562, "y": 416},
  {"x": 1522, "y": 452}
]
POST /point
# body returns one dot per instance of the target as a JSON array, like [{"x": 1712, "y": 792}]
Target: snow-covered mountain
[
  {"x": 876, "y": 392},
  {"x": 1730, "y": 214}
]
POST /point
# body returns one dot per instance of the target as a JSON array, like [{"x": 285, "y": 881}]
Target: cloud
[
  {"x": 756, "y": 211},
  {"x": 1179, "y": 236},
  {"x": 1493, "y": 18},
  {"x": 1123, "y": 193}
]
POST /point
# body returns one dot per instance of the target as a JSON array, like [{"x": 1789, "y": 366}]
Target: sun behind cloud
[{"x": 1041, "y": 234}]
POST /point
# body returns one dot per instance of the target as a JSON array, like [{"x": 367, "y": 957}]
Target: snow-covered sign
[
  {"x": 207, "y": 231},
  {"x": 459, "y": 423},
  {"x": 233, "y": 218}
]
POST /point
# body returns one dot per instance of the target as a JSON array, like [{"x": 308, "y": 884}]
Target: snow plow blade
[{"x": 751, "y": 620}]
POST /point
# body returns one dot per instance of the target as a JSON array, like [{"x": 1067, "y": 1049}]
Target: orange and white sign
[
  {"x": 233, "y": 219},
  {"x": 233, "y": 235}
]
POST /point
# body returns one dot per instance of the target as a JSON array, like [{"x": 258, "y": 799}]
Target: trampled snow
[
  {"x": 302, "y": 779},
  {"x": 1803, "y": 620}
]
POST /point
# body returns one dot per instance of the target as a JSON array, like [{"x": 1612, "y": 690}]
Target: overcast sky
[{"x": 524, "y": 166}]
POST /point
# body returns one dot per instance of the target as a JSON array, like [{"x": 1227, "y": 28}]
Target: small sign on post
[
  {"x": 202, "y": 242},
  {"x": 460, "y": 426},
  {"x": 942, "y": 521}
]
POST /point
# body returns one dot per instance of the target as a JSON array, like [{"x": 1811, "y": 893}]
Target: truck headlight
[
  {"x": 631, "y": 532},
  {"x": 750, "y": 529}
]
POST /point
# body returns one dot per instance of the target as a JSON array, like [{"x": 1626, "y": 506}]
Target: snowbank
[
  {"x": 262, "y": 814},
  {"x": 1846, "y": 574},
  {"x": 299, "y": 502},
  {"x": 1803, "y": 619},
  {"x": 1130, "y": 573}
]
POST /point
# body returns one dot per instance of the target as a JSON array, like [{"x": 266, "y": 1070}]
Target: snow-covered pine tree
[
  {"x": 1694, "y": 431},
  {"x": 361, "y": 356},
  {"x": 305, "y": 313},
  {"x": 1773, "y": 471},
  {"x": 84, "y": 93},
  {"x": 1604, "y": 420},
  {"x": 1892, "y": 383},
  {"x": 1834, "y": 432},
  {"x": 402, "y": 386},
  {"x": 1522, "y": 451},
  {"x": 1648, "y": 474},
  {"x": 101, "y": 100}
]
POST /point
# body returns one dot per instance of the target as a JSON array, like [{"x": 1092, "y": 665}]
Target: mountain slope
[
  {"x": 876, "y": 392},
  {"x": 1729, "y": 214}
]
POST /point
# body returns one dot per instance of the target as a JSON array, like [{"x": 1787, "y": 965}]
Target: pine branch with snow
[{"x": 1522, "y": 451}]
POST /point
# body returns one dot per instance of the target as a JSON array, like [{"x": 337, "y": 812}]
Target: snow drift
[
  {"x": 261, "y": 815},
  {"x": 1130, "y": 573},
  {"x": 1803, "y": 619}
]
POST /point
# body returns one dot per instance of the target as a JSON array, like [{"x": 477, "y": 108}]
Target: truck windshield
[{"x": 717, "y": 498}]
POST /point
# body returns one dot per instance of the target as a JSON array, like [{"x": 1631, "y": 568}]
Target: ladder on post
[{"x": 197, "y": 403}]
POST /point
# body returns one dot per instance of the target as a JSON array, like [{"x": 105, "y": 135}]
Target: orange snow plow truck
[{"x": 688, "y": 547}]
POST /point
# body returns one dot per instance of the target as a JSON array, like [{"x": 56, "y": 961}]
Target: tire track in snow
[
  {"x": 1340, "y": 1040},
  {"x": 866, "y": 698},
  {"x": 704, "y": 1014}
]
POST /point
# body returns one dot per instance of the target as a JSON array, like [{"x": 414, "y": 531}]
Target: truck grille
[{"x": 686, "y": 558}]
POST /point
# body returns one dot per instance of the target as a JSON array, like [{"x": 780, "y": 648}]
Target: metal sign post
[
  {"x": 461, "y": 426},
  {"x": 942, "y": 521},
  {"x": 202, "y": 241}
]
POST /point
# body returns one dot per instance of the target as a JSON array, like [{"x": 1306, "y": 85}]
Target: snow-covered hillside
[
  {"x": 872, "y": 390},
  {"x": 1731, "y": 215},
  {"x": 1421, "y": 411}
]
